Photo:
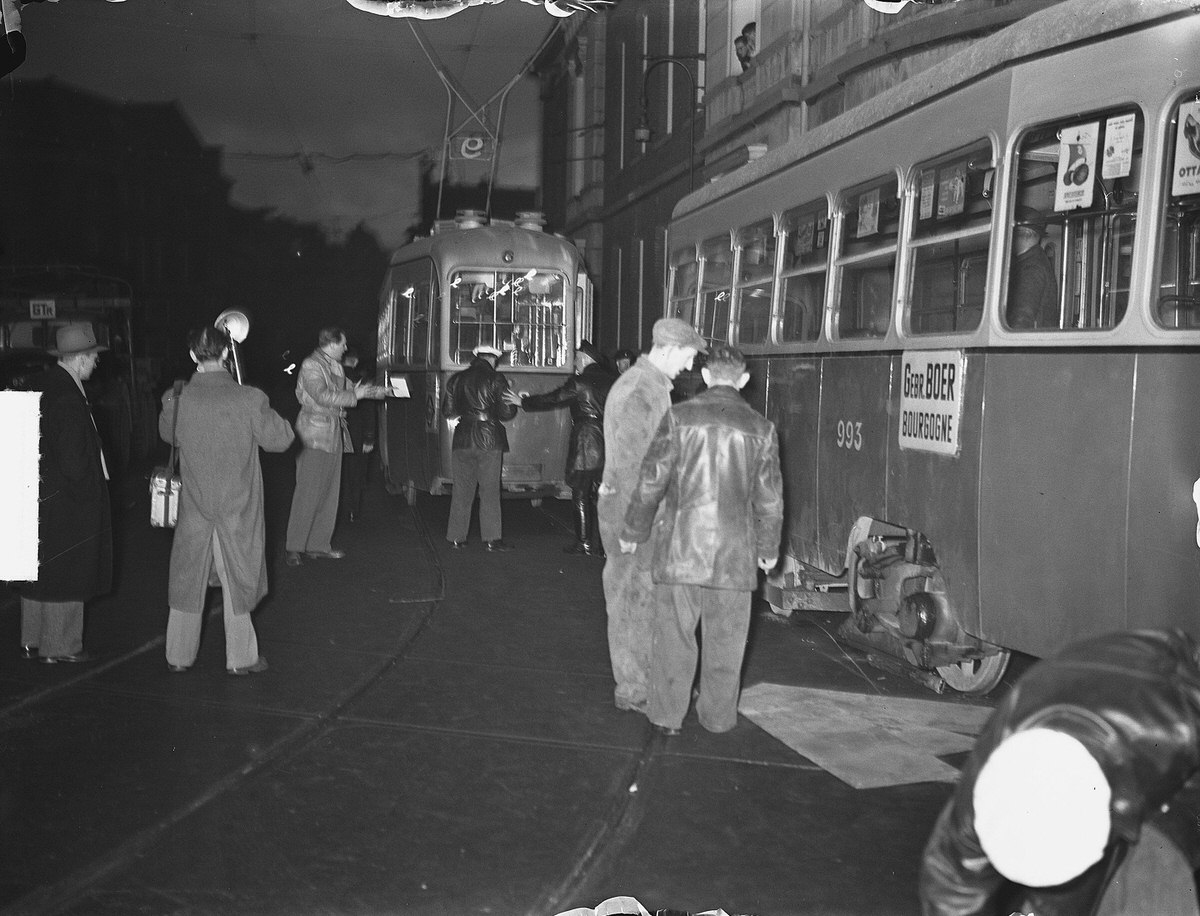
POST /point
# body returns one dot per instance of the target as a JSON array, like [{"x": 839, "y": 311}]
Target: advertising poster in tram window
[
  {"x": 1118, "y": 147},
  {"x": 868, "y": 214},
  {"x": 927, "y": 179},
  {"x": 1076, "y": 166},
  {"x": 931, "y": 400},
  {"x": 1186, "y": 173},
  {"x": 952, "y": 190}
]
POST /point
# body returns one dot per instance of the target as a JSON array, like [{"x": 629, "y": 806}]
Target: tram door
[{"x": 408, "y": 432}]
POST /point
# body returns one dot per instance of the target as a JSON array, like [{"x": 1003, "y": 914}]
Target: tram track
[{"x": 610, "y": 826}]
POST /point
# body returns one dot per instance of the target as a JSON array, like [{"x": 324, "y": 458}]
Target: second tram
[
  {"x": 506, "y": 284},
  {"x": 972, "y": 308}
]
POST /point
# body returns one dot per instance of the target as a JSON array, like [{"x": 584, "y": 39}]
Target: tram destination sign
[{"x": 931, "y": 400}]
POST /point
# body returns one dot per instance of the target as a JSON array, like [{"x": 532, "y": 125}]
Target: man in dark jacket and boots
[
  {"x": 1080, "y": 794},
  {"x": 585, "y": 393},
  {"x": 714, "y": 466},
  {"x": 74, "y": 515},
  {"x": 480, "y": 398}
]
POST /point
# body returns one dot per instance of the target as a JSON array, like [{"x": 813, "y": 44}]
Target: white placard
[
  {"x": 398, "y": 387},
  {"x": 1185, "y": 170},
  {"x": 1076, "y": 166},
  {"x": 868, "y": 214},
  {"x": 19, "y": 416},
  {"x": 1118, "y": 146},
  {"x": 931, "y": 400}
]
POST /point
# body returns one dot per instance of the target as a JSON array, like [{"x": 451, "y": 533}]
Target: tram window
[
  {"x": 716, "y": 275},
  {"x": 521, "y": 312},
  {"x": 802, "y": 279},
  {"x": 756, "y": 281},
  {"x": 1178, "y": 305},
  {"x": 867, "y": 262},
  {"x": 684, "y": 271},
  {"x": 409, "y": 301},
  {"x": 949, "y": 242},
  {"x": 1071, "y": 259}
]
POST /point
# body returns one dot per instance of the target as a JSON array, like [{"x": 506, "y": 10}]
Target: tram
[
  {"x": 473, "y": 281},
  {"x": 972, "y": 308}
]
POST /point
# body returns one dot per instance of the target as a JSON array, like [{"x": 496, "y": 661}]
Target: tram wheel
[{"x": 976, "y": 676}]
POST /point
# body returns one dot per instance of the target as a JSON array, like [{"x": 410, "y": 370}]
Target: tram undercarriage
[{"x": 898, "y": 606}]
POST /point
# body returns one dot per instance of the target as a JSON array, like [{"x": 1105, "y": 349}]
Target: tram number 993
[{"x": 849, "y": 434}]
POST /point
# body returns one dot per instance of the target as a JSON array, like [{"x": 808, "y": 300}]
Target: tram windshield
[
  {"x": 1071, "y": 259},
  {"x": 1179, "y": 275},
  {"x": 519, "y": 311}
]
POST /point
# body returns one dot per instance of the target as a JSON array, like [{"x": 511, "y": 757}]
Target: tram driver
[{"x": 1032, "y": 283}]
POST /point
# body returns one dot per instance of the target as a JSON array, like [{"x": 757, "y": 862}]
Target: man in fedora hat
[
  {"x": 74, "y": 516},
  {"x": 636, "y": 405},
  {"x": 480, "y": 398}
]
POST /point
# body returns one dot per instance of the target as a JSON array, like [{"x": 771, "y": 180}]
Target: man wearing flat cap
[
  {"x": 74, "y": 516},
  {"x": 635, "y": 407},
  {"x": 1032, "y": 283},
  {"x": 585, "y": 393},
  {"x": 479, "y": 397}
]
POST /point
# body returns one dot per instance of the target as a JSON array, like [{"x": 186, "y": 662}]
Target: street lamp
[{"x": 642, "y": 133}]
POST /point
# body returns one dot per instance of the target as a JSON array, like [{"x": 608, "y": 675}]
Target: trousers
[
  {"x": 723, "y": 618},
  {"x": 183, "y": 628},
  {"x": 314, "y": 501},
  {"x": 475, "y": 469},
  {"x": 54, "y": 627},
  {"x": 631, "y": 599}
]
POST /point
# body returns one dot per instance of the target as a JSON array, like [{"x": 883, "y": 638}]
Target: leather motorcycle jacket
[
  {"x": 1133, "y": 700},
  {"x": 585, "y": 394},
  {"x": 714, "y": 466},
  {"x": 476, "y": 397}
]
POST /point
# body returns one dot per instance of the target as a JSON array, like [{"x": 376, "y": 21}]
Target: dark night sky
[{"x": 270, "y": 81}]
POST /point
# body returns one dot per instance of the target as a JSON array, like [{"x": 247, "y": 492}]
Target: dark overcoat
[
  {"x": 222, "y": 425},
  {"x": 74, "y": 515}
]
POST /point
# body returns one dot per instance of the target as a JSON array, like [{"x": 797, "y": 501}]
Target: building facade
[{"x": 652, "y": 98}]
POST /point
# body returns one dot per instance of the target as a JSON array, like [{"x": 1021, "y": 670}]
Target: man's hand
[
  {"x": 511, "y": 397},
  {"x": 627, "y": 546},
  {"x": 369, "y": 392},
  {"x": 766, "y": 564},
  {"x": 368, "y": 447}
]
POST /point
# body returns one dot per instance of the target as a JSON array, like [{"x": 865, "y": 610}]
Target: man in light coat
[
  {"x": 714, "y": 468},
  {"x": 635, "y": 406},
  {"x": 74, "y": 516},
  {"x": 324, "y": 395},
  {"x": 220, "y": 428}
]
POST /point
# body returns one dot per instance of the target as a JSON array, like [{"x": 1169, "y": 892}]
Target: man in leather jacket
[
  {"x": 714, "y": 466},
  {"x": 585, "y": 393},
  {"x": 480, "y": 398},
  {"x": 324, "y": 395},
  {"x": 1078, "y": 794}
]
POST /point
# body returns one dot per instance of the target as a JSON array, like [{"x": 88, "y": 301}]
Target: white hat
[
  {"x": 486, "y": 350},
  {"x": 1042, "y": 808}
]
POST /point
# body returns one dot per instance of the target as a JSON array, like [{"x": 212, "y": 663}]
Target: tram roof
[
  {"x": 483, "y": 244},
  {"x": 1067, "y": 23}
]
